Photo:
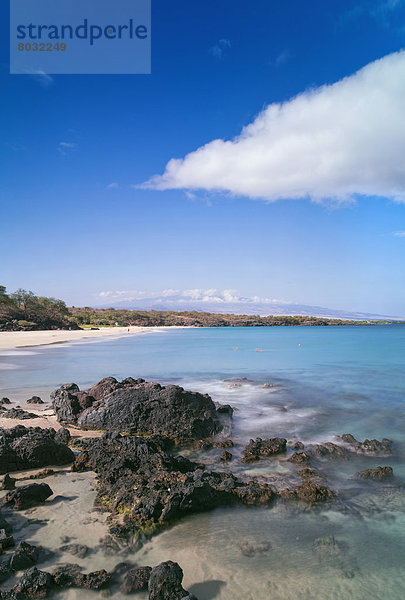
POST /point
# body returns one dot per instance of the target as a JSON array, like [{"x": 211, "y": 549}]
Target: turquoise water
[{"x": 325, "y": 381}]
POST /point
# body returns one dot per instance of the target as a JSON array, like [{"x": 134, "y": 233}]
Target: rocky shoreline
[{"x": 144, "y": 481}]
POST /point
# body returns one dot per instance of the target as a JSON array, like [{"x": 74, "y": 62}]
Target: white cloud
[
  {"x": 39, "y": 76},
  {"x": 330, "y": 143},
  {"x": 211, "y": 295},
  {"x": 282, "y": 58},
  {"x": 219, "y": 48},
  {"x": 112, "y": 186},
  {"x": 64, "y": 147},
  {"x": 399, "y": 233}
]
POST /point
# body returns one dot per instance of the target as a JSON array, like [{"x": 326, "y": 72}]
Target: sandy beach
[{"x": 10, "y": 340}]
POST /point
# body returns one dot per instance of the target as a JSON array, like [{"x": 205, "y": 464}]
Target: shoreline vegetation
[{"x": 24, "y": 311}]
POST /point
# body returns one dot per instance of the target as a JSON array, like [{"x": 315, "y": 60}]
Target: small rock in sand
[{"x": 35, "y": 400}]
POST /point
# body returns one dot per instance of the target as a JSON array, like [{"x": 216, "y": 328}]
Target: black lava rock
[
  {"x": 28, "y": 495},
  {"x": 134, "y": 406}
]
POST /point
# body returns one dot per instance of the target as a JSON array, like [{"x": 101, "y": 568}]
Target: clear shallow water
[{"x": 338, "y": 380}]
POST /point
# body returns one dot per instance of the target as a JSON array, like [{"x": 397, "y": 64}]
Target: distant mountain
[{"x": 237, "y": 306}]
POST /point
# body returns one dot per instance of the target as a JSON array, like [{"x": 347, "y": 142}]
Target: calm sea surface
[{"x": 325, "y": 381}]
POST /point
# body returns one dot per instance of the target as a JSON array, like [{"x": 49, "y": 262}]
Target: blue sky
[{"x": 74, "y": 150}]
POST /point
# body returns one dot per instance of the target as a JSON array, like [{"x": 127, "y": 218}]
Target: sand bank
[{"x": 10, "y": 340}]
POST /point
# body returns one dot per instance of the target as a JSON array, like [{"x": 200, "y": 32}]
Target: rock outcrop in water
[
  {"x": 377, "y": 474},
  {"x": 310, "y": 491},
  {"x": 136, "y": 406},
  {"x": 259, "y": 448},
  {"x": 371, "y": 447},
  {"x": 140, "y": 481},
  {"x": 31, "y": 448}
]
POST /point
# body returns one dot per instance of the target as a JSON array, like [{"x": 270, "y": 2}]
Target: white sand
[{"x": 10, "y": 340}]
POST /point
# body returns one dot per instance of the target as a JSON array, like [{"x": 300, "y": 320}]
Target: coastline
[{"x": 12, "y": 340}]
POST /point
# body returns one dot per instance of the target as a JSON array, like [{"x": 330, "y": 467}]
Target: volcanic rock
[
  {"x": 328, "y": 450},
  {"x": 5, "y": 571},
  {"x": 62, "y": 436},
  {"x": 310, "y": 492},
  {"x": 165, "y": 582},
  {"x": 28, "y": 495},
  {"x": 251, "y": 548},
  {"x": 34, "y": 583},
  {"x": 259, "y": 448},
  {"x": 18, "y": 413},
  {"x": 372, "y": 447},
  {"x": 140, "y": 480},
  {"x": 8, "y": 482},
  {"x": 136, "y": 580},
  {"x": 299, "y": 458},
  {"x": 137, "y": 406},
  {"x": 71, "y": 576},
  {"x": 29, "y": 448},
  {"x": 35, "y": 400},
  {"x": 24, "y": 557},
  {"x": 80, "y": 550},
  {"x": 6, "y": 540},
  {"x": 377, "y": 474}
]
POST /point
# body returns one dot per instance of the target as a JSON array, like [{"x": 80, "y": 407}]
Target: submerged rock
[
  {"x": 333, "y": 553},
  {"x": 28, "y": 495},
  {"x": 80, "y": 550},
  {"x": 259, "y": 448},
  {"x": 251, "y": 548},
  {"x": 165, "y": 583},
  {"x": 134, "y": 406},
  {"x": 136, "y": 580},
  {"x": 30, "y": 448},
  {"x": 377, "y": 474}
]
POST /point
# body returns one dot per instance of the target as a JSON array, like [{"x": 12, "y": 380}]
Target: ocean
[{"x": 306, "y": 383}]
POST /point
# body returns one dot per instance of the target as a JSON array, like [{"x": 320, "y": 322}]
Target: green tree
[{"x": 25, "y": 301}]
